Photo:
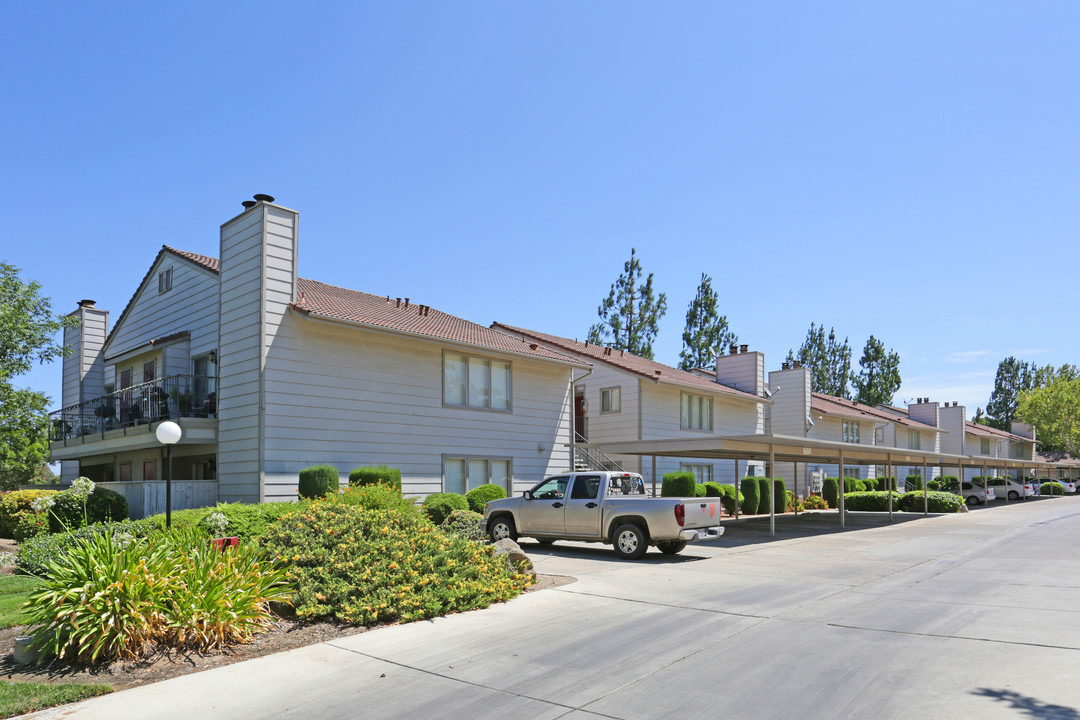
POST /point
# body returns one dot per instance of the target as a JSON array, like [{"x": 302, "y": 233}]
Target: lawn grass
[
  {"x": 14, "y": 589},
  {"x": 17, "y": 698}
]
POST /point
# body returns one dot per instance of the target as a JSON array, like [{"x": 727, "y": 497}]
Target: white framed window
[
  {"x": 702, "y": 473},
  {"x": 696, "y": 412},
  {"x": 474, "y": 382},
  {"x": 851, "y": 431},
  {"x": 611, "y": 400},
  {"x": 164, "y": 281},
  {"x": 984, "y": 446},
  {"x": 914, "y": 440},
  {"x": 463, "y": 473}
]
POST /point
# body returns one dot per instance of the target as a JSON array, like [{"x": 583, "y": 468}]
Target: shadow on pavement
[{"x": 1029, "y": 706}]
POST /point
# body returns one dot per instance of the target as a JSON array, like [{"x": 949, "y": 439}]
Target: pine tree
[
  {"x": 630, "y": 315},
  {"x": 829, "y": 361},
  {"x": 879, "y": 376},
  {"x": 706, "y": 332}
]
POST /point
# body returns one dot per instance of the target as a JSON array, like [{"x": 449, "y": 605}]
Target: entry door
[
  {"x": 544, "y": 513},
  {"x": 582, "y": 514},
  {"x": 579, "y": 417}
]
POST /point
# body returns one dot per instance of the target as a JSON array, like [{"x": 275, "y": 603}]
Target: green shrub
[
  {"x": 792, "y": 503},
  {"x": 679, "y": 484},
  {"x": 750, "y": 493},
  {"x": 780, "y": 496},
  {"x": 438, "y": 506},
  {"x": 478, "y": 497},
  {"x": 318, "y": 480},
  {"x": 949, "y": 483},
  {"x": 377, "y": 497},
  {"x": 376, "y": 475},
  {"x": 700, "y": 491},
  {"x": 38, "y": 552},
  {"x": 372, "y": 566},
  {"x": 830, "y": 491},
  {"x": 873, "y": 501},
  {"x": 884, "y": 483},
  {"x": 116, "y": 596},
  {"x": 938, "y": 502},
  {"x": 815, "y": 502},
  {"x": 30, "y": 524},
  {"x": 728, "y": 495},
  {"x": 102, "y": 505},
  {"x": 15, "y": 504},
  {"x": 713, "y": 489},
  {"x": 1051, "y": 488},
  {"x": 913, "y": 483},
  {"x": 247, "y": 521},
  {"x": 852, "y": 485},
  {"x": 465, "y": 524},
  {"x": 763, "y": 496},
  {"x": 933, "y": 485}
]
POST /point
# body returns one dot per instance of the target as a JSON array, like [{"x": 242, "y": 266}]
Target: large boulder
[{"x": 515, "y": 557}]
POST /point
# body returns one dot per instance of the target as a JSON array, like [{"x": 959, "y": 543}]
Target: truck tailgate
[{"x": 701, "y": 512}]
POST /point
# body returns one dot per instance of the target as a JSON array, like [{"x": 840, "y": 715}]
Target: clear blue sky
[{"x": 903, "y": 169}]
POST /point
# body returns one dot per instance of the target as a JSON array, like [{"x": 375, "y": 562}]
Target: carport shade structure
[{"x": 791, "y": 449}]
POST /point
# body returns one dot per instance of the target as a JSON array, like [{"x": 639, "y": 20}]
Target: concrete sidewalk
[{"x": 946, "y": 616}]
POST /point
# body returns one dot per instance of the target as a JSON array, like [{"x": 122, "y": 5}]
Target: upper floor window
[
  {"x": 476, "y": 382},
  {"x": 851, "y": 431},
  {"x": 984, "y": 446},
  {"x": 914, "y": 440},
  {"x": 696, "y": 412},
  {"x": 1018, "y": 451},
  {"x": 611, "y": 400},
  {"x": 164, "y": 280}
]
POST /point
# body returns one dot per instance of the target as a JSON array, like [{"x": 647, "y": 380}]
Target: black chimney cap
[
  {"x": 259, "y": 197},
  {"x": 86, "y": 303},
  {"x": 248, "y": 204}
]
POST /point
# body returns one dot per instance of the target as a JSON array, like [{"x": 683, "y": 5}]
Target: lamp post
[{"x": 168, "y": 434}]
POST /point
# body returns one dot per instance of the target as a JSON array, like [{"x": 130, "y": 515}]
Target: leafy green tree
[
  {"x": 1013, "y": 377},
  {"x": 878, "y": 378},
  {"x": 27, "y": 331},
  {"x": 829, "y": 361},
  {"x": 706, "y": 331},
  {"x": 1054, "y": 410},
  {"x": 630, "y": 315}
]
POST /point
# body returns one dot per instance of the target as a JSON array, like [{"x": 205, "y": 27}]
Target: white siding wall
[
  {"x": 95, "y": 327},
  {"x": 72, "y": 389},
  {"x": 791, "y": 401},
  {"x": 240, "y": 357},
  {"x": 351, "y": 397},
  {"x": 953, "y": 442},
  {"x": 745, "y": 371}
]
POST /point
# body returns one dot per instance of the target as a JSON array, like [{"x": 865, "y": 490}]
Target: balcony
[{"x": 169, "y": 398}]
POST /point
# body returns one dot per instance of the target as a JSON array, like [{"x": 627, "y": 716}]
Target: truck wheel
[
  {"x": 502, "y": 528},
  {"x": 671, "y": 547},
  {"x": 630, "y": 542}
]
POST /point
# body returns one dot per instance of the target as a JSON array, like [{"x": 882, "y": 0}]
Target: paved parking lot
[{"x": 971, "y": 615}]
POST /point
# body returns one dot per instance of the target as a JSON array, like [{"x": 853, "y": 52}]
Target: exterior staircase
[{"x": 586, "y": 459}]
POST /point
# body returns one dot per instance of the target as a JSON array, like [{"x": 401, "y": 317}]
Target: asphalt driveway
[{"x": 973, "y": 615}]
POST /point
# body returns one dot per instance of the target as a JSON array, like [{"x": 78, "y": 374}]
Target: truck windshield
[{"x": 551, "y": 489}]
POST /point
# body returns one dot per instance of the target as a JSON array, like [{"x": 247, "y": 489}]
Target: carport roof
[{"x": 788, "y": 448}]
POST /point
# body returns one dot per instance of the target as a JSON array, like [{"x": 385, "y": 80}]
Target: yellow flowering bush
[{"x": 373, "y": 565}]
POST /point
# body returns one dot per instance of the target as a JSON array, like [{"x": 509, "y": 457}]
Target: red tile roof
[
  {"x": 380, "y": 311},
  {"x": 628, "y": 362},
  {"x": 210, "y": 263},
  {"x": 831, "y": 405}
]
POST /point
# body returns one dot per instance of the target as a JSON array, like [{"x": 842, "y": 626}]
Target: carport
[{"x": 774, "y": 449}]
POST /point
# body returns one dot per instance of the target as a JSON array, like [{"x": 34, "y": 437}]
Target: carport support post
[
  {"x": 986, "y": 487},
  {"x": 654, "y": 476},
  {"x": 888, "y": 481},
  {"x": 772, "y": 491},
  {"x": 795, "y": 482},
  {"x": 925, "y": 497},
  {"x": 840, "y": 489},
  {"x": 737, "y": 484}
]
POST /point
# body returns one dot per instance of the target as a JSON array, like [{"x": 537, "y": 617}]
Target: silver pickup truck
[{"x": 608, "y": 507}]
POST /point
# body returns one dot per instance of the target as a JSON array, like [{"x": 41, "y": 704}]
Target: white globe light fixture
[{"x": 168, "y": 434}]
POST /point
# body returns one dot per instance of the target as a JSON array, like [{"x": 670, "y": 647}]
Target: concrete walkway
[{"x": 972, "y": 615}]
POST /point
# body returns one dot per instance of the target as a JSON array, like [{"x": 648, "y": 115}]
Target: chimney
[
  {"x": 733, "y": 350},
  {"x": 89, "y": 304},
  {"x": 248, "y": 204},
  {"x": 744, "y": 349}
]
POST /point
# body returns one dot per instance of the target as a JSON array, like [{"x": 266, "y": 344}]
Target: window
[
  {"x": 851, "y": 431},
  {"x": 551, "y": 489},
  {"x": 149, "y": 371},
  {"x": 164, "y": 281},
  {"x": 611, "y": 400},
  {"x": 1018, "y": 451},
  {"x": 586, "y": 487},
  {"x": 125, "y": 472},
  {"x": 984, "y": 446},
  {"x": 149, "y": 470},
  {"x": 702, "y": 473},
  {"x": 476, "y": 382},
  {"x": 696, "y": 412},
  {"x": 914, "y": 440},
  {"x": 461, "y": 474}
]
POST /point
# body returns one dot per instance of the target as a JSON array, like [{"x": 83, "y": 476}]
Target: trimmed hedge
[
  {"x": 949, "y": 483},
  {"x": 679, "y": 484},
  {"x": 376, "y": 475},
  {"x": 938, "y": 502},
  {"x": 319, "y": 480},
  {"x": 873, "y": 501},
  {"x": 780, "y": 499},
  {"x": 438, "y": 506},
  {"x": 1051, "y": 488},
  {"x": 913, "y": 482},
  {"x": 763, "y": 496},
  {"x": 933, "y": 485},
  {"x": 750, "y": 493},
  {"x": 884, "y": 483},
  {"x": 728, "y": 495},
  {"x": 15, "y": 504},
  {"x": 102, "y": 505},
  {"x": 478, "y": 497},
  {"x": 830, "y": 491},
  {"x": 853, "y": 485},
  {"x": 700, "y": 491}
]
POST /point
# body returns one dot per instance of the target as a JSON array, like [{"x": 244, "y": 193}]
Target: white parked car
[
  {"x": 1011, "y": 489},
  {"x": 1069, "y": 485},
  {"x": 975, "y": 494}
]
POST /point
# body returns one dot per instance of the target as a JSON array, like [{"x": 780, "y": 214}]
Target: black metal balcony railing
[{"x": 170, "y": 397}]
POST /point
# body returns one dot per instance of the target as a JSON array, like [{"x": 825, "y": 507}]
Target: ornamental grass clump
[
  {"x": 365, "y": 567},
  {"x": 115, "y": 595}
]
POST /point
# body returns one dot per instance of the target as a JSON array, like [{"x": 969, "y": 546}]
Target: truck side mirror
[{"x": 527, "y": 495}]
